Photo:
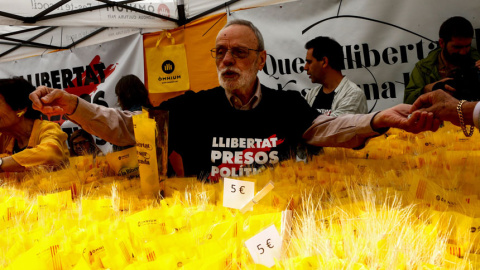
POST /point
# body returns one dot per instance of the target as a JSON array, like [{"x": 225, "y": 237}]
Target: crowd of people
[{"x": 240, "y": 126}]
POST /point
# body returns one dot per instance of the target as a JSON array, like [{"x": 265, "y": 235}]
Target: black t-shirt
[
  {"x": 216, "y": 140},
  {"x": 323, "y": 102}
]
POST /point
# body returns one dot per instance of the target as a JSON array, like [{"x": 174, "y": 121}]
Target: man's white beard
[{"x": 242, "y": 83}]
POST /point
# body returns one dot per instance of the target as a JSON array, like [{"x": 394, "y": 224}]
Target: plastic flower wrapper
[{"x": 124, "y": 163}]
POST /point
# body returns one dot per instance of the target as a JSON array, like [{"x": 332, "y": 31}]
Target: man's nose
[
  {"x": 228, "y": 59},
  {"x": 464, "y": 51}
]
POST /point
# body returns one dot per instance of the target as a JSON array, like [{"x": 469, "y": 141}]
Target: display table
[{"x": 405, "y": 201}]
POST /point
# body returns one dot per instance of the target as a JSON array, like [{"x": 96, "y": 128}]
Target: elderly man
[{"x": 240, "y": 126}]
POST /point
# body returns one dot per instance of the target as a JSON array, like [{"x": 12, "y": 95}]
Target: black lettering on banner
[
  {"x": 90, "y": 77},
  {"x": 283, "y": 66},
  {"x": 358, "y": 56},
  {"x": 372, "y": 90},
  {"x": 78, "y": 74},
  {"x": 99, "y": 98},
  {"x": 86, "y": 97},
  {"x": 45, "y": 79},
  {"x": 67, "y": 77},
  {"x": 63, "y": 78},
  {"x": 100, "y": 68},
  {"x": 55, "y": 79},
  {"x": 363, "y": 56}
]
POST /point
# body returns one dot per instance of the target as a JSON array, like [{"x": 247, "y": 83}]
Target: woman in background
[
  {"x": 132, "y": 95},
  {"x": 81, "y": 143},
  {"x": 25, "y": 140}
]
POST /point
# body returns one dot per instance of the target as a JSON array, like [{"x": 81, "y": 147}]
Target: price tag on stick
[
  {"x": 265, "y": 247},
  {"x": 236, "y": 193}
]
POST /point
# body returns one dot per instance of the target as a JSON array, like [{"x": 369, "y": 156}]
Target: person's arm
[
  {"x": 47, "y": 147},
  {"x": 419, "y": 85},
  {"x": 110, "y": 124},
  {"x": 352, "y": 131},
  {"x": 51, "y": 101},
  {"x": 349, "y": 131},
  {"x": 476, "y": 115},
  {"x": 444, "y": 107},
  {"x": 415, "y": 85},
  {"x": 10, "y": 165}
]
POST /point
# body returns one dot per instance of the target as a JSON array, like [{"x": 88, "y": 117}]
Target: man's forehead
[
  {"x": 237, "y": 35},
  {"x": 461, "y": 40},
  {"x": 309, "y": 54}
]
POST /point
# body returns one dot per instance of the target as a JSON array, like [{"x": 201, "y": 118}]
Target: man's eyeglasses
[{"x": 237, "y": 52}]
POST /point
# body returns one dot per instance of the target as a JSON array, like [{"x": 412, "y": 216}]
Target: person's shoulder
[
  {"x": 431, "y": 58},
  {"x": 475, "y": 54},
  {"x": 191, "y": 97},
  {"x": 284, "y": 98},
  {"x": 216, "y": 91},
  {"x": 351, "y": 86},
  {"x": 45, "y": 124},
  {"x": 48, "y": 128},
  {"x": 280, "y": 94},
  {"x": 312, "y": 93}
]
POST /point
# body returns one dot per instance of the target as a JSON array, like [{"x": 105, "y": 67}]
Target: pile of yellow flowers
[{"x": 405, "y": 201}]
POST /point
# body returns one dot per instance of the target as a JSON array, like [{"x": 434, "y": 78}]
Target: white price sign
[
  {"x": 265, "y": 247},
  {"x": 237, "y": 193}
]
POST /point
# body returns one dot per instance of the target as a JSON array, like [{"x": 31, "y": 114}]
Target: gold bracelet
[{"x": 462, "y": 123}]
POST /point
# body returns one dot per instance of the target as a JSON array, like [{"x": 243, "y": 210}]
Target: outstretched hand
[
  {"x": 399, "y": 117},
  {"x": 440, "y": 103},
  {"x": 51, "y": 101}
]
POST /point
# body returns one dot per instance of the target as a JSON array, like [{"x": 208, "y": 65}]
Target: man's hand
[
  {"x": 398, "y": 117},
  {"x": 477, "y": 64},
  {"x": 53, "y": 101},
  {"x": 444, "y": 107},
  {"x": 429, "y": 87}
]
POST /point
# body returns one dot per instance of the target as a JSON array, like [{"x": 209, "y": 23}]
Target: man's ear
[
  {"x": 325, "y": 62},
  {"x": 442, "y": 43},
  {"x": 262, "y": 59}
]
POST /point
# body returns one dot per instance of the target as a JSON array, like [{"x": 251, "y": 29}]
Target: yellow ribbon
[{"x": 165, "y": 34}]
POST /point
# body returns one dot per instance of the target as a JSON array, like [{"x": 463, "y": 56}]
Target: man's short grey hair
[{"x": 249, "y": 24}]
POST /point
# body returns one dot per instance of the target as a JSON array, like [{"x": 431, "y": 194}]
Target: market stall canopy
[{"x": 38, "y": 26}]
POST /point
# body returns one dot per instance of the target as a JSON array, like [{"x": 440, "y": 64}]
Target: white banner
[
  {"x": 382, "y": 40},
  {"x": 89, "y": 72},
  {"x": 119, "y": 16},
  {"x": 115, "y": 16},
  {"x": 59, "y": 37}
]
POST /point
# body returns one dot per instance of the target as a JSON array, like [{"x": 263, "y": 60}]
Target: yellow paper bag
[
  {"x": 167, "y": 66},
  {"x": 124, "y": 163},
  {"x": 145, "y": 134}
]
